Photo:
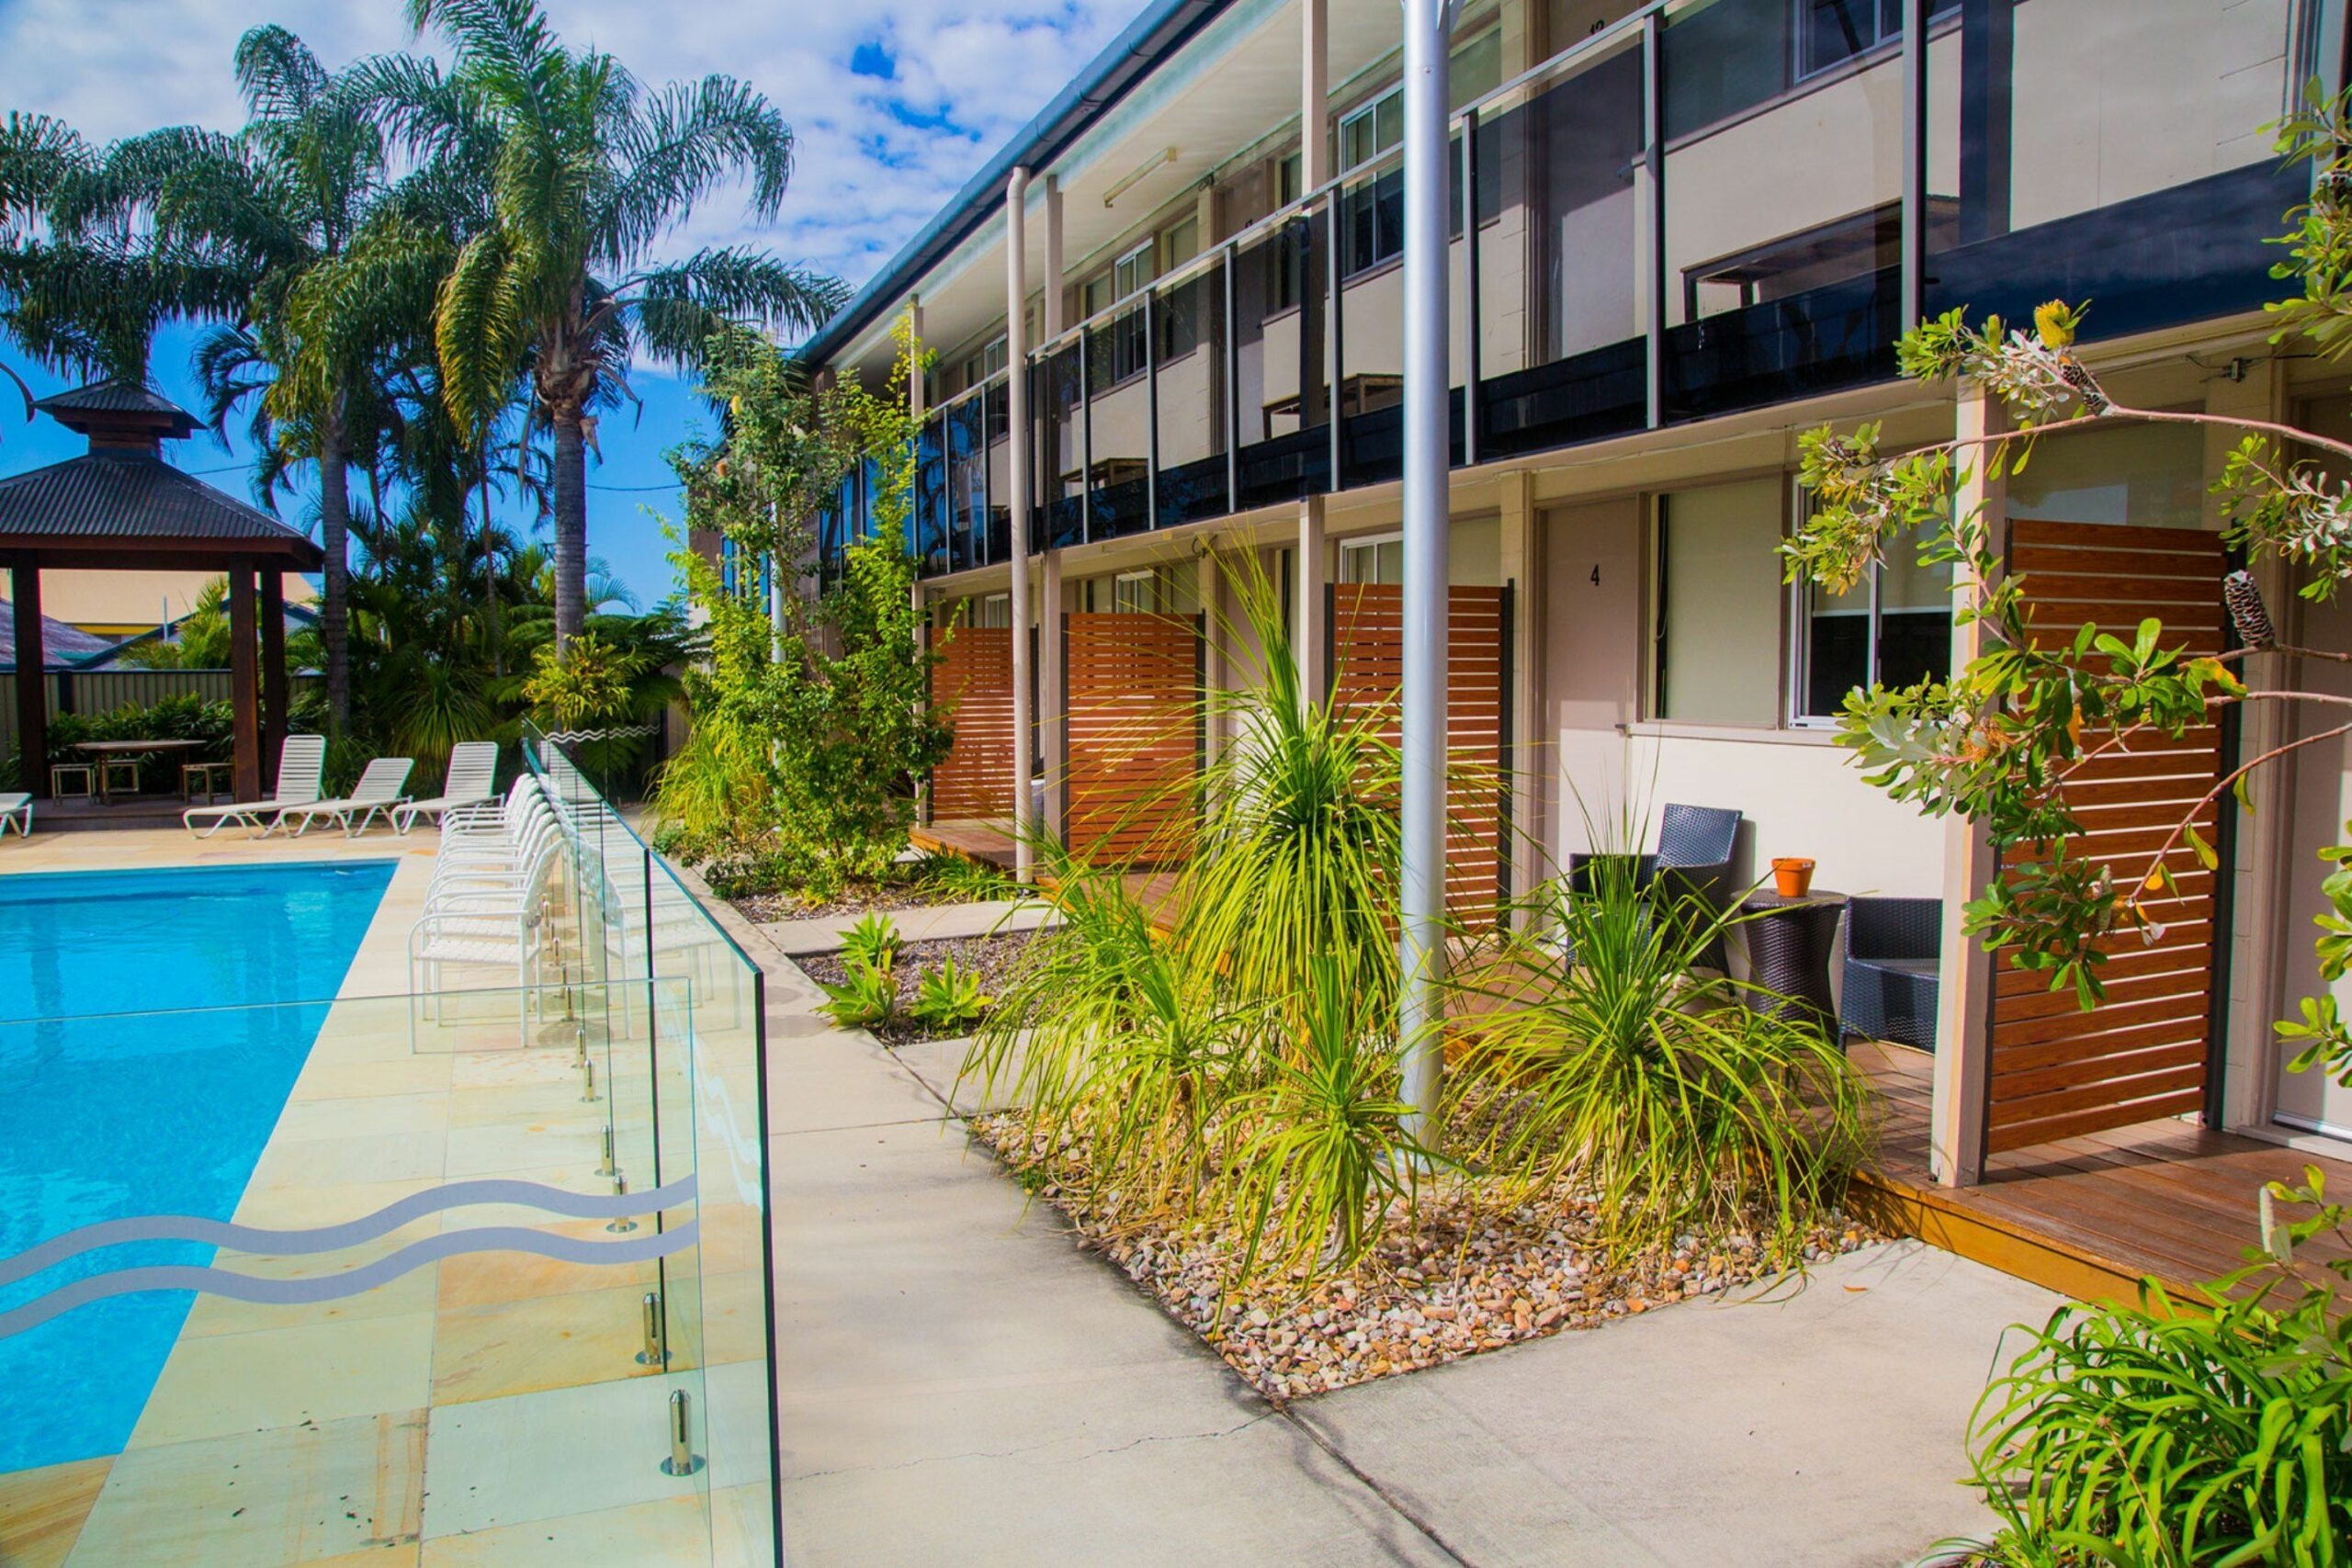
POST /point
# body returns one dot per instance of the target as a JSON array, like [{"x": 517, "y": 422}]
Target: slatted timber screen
[
  {"x": 1133, "y": 737},
  {"x": 973, "y": 680},
  {"x": 1367, "y": 671},
  {"x": 2055, "y": 1071}
]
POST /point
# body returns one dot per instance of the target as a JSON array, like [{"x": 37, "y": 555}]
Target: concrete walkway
[{"x": 961, "y": 1383}]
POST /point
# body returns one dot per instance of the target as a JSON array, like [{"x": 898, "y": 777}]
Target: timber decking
[{"x": 2088, "y": 1215}]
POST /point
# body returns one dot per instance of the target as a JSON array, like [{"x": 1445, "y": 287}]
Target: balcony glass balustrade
[{"x": 1698, "y": 209}]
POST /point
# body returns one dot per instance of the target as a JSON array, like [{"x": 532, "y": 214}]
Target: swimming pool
[{"x": 149, "y": 1110}]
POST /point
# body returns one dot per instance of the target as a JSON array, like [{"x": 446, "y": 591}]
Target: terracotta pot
[{"x": 1792, "y": 877}]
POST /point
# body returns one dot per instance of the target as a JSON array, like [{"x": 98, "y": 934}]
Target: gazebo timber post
[
  {"x": 273, "y": 667},
  {"x": 244, "y": 693},
  {"x": 32, "y": 694}
]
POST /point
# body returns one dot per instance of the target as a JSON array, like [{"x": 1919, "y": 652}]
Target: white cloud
[{"x": 875, "y": 158}]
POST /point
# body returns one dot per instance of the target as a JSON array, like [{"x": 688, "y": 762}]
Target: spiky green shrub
[
  {"x": 1322, "y": 1158},
  {"x": 871, "y": 943},
  {"x": 1596, "y": 1059},
  {"x": 864, "y": 999},
  {"x": 2201, "y": 1434},
  {"x": 1298, "y": 843},
  {"x": 947, "y": 999}
]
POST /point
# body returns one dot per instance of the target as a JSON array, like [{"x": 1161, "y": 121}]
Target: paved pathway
[{"x": 962, "y": 1383}]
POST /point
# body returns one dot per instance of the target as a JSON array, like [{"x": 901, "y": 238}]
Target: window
[
  {"x": 979, "y": 366},
  {"x": 996, "y": 610},
  {"x": 1892, "y": 629},
  {"x": 1283, "y": 255},
  {"x": 1372, "y": 213},
  {"x": 1372, "y": 560},
  {"x": 1116, "y": 351},
  {"x": 1830, "y": 32},
  {"x": 1719, "y": 603},
  {"x": 1149, "y": 591}
]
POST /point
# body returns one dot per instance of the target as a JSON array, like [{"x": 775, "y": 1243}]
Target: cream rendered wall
[
  {"x": 1801, "y": 795},
  {"x": 2115, "y": 101},
  {"x": 1814, "y": 157}
]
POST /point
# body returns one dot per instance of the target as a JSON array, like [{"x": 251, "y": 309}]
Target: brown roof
[
  {"x": 117, "y": 499},
  {"x": 60, "y": 644},
  {"x": 116, "y": 396}
]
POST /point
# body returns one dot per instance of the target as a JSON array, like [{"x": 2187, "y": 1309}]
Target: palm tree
[
  {"x": 84, "y": 283},
  {"x": 591, "y": 172},
  {"x": 286, "y": 196}
]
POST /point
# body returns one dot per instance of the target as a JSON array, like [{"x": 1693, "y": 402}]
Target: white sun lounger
[
  {"x": 473, "y": 772},
  {"x": 16, "y": 811},
  {"x": 299, "y": 764},
  {"x": 379, "y": 790}
]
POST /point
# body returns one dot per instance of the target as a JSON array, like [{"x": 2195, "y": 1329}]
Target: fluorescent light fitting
[{"x": 1165, "y": 156}]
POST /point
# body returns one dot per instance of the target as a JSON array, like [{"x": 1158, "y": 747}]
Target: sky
[{"x": 893, "y": 103}]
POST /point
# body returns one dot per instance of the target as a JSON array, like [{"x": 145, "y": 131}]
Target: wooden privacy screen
[
  {"x": 2055, "y": 1071},
  {"x": 1133, "y": 737},
  {"x": 973, "y": 680},
  {"x": 1367, "y": 629}
]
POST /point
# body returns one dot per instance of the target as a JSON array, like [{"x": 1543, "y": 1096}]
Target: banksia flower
[
  {"x": 2054, "y": 322},
  {"x": 2248, "y": 612},
  {"x": 2071, "y": 371}
]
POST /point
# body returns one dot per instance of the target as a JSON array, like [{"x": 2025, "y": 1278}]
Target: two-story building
[{"x": 1683, "y": 232}]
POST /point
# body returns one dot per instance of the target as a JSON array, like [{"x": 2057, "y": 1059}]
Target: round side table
[{"x": 1789, "y": 942}]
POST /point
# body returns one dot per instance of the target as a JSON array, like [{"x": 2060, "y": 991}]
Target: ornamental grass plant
[{"x": 1599, "y": 1058}]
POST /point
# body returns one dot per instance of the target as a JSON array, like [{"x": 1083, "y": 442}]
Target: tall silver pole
[
  {"x": 1017, "y": 429},
  {"x": 1429, "y": 25}
]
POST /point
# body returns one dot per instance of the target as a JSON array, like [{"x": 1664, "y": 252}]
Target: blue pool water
[{"x": 152, "y": 1110}]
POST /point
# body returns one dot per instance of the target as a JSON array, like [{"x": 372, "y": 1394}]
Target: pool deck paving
[
  {"x": 963, "y": 1382},
  {"x": 960, "y": 1380},
  {"x": 309, "y": 1433}
]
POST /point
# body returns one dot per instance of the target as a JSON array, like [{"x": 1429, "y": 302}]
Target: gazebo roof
[
  {"x": 124, "y": 502},
  {"x": 116, "y": 396}
]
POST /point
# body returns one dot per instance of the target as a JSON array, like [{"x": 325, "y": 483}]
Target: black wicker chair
[
  {"x": 1892, "y": 949},
  {"x": 1692, "y": 859}
]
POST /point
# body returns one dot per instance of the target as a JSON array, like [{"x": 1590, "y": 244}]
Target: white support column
[
  {"x": 1050, "y": 321},
  {"x": 1314, "y": 91},
  {"x": 1523, "y": 569},
  {"x": 1964, "y": 987},
  {"x": 1309, "y": 571},
  {"x": 1053, "y": 692},
  {"x": 918, "y": 388},
  {"x": 1016, "y": 359},
  {"x": 1429, "y": 25}
]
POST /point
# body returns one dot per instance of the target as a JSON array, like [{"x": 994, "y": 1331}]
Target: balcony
[{"x": 1700, "y": 210}]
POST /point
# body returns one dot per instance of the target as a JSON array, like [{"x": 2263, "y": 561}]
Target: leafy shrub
[
  {"x": 2215, "y": 1433},
  {"x": 864, "y": 999},
  {"x": 1598, "y": 1056},
  {"x": 871, "y": 943},
  {"x": 948, "y": 999}
]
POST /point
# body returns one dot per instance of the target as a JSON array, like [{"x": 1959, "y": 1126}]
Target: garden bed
[
  {"x": 922, "y": 885},
  {"x": 989, "y": 957},
  {"x": 1462, "y": 1279}
]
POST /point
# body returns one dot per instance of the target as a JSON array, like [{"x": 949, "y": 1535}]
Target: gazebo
[{"x": 121, "y": 507}]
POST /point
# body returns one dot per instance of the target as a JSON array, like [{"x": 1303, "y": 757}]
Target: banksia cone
[
  {"x": 2247, "y": 613},
  {"x": 2071, "y": 371}
]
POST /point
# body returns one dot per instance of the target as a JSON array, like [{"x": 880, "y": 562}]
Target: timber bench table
[
  {"x": 199, "y": 778},
  {"x": 127, "y": 756}
]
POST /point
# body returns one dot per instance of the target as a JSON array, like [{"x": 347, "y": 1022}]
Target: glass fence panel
[
  {"x": 1280, "y": 294},
  {"x": 1783, "y": 201},
  {"x": 967, "y": 475},
  {"x": 285, "y": 1259},
  {"x": 1059, "y": 387},
  {"x": 699, "y": 1033},
  {"x": 1370, "y": 322},
  {"x": 1192, "y": 363},
  {"x": 928, "y": 526},
  {"x": 1563, "y": 209},
  {"x": 995, "y": 541},
  {"x": 1118, "y": 423},
  {"x": 2113, "y": 154}
]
